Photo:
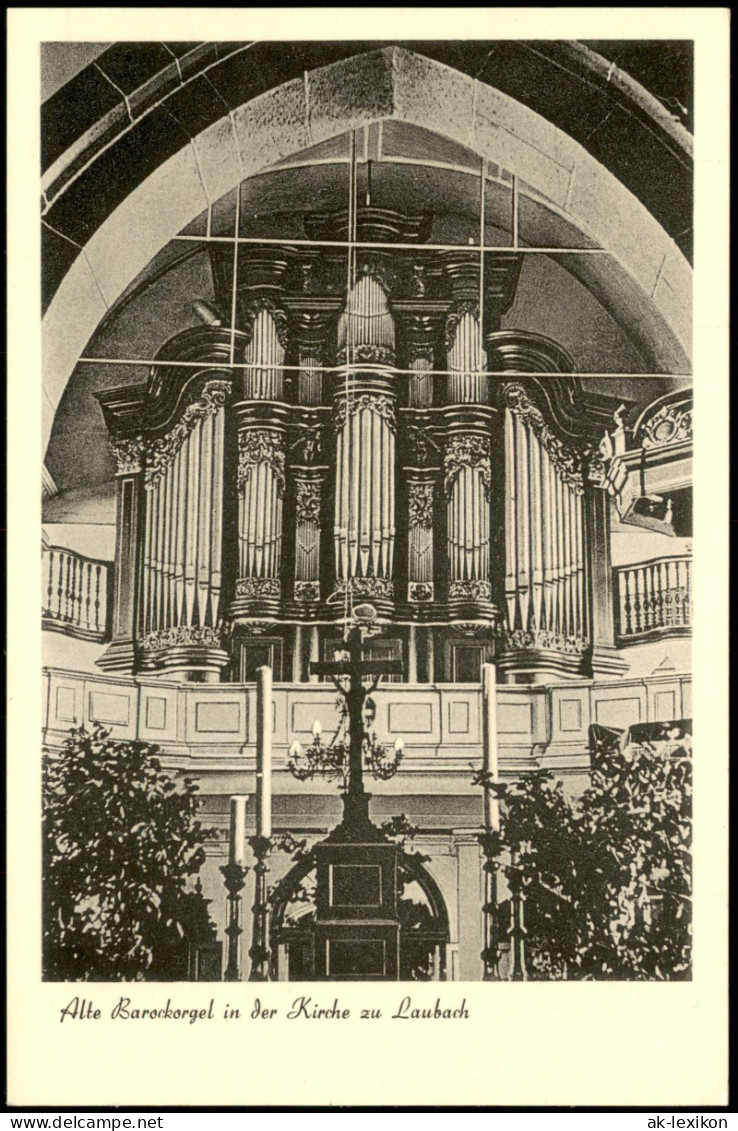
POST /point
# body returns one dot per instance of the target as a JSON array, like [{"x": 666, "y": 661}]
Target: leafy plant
[
  {"x": 120, "y": 841},
  {"x": 607, "y": 877}
]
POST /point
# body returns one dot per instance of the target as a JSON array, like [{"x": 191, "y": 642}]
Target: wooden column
[
  {"x": 308, "y": 329},
  {"x": 297, "y": 666},
  {"x": 420, "y": 493},
  {"x": 313, "y": 652},
  {"x": 412, "y": 654},
  {"x": 606, "y": 659},
  {"x": 420, "y": 333},
  {"x": 308, "y": 484},
  {"x": 120, "y": 655}
]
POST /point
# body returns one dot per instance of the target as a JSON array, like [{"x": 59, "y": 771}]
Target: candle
[
  {"x": 237, "y": 844},
  {"x": 264, "y": 727},
  {"x": 489, "y": 745}
]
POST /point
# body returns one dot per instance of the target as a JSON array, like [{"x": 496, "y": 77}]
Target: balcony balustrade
[
  {"x": 653, "y": 599},
  {"x": 76, "y": 594}
]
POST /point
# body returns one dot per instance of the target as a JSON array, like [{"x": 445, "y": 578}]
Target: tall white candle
[
  {"x": 489, "y": 745},
  {"x": 237, "y": 844},
  {"x": 264, "y": 726}
]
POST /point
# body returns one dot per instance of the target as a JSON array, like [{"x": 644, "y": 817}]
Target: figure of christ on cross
[{"x": 356, "y": 800}]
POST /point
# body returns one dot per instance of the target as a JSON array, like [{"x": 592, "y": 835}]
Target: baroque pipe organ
[{"x": 370, "y": 435}]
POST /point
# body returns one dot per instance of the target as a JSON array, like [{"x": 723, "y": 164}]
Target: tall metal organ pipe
[
  {"x": 466, "y": 360},
  {"x": 265, "y": 349},
  {"x": 364, "y": 517},
  {"x": 182, "y": 524},
  {"x": 544, "y": 532}
]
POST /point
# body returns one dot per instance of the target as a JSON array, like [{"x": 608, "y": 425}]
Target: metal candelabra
[
  {"x": 259, "y": 952},
  {"x": 235, "y": 877}
]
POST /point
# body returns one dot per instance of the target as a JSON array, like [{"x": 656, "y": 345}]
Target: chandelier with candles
[{"x": 331, "y": 760}]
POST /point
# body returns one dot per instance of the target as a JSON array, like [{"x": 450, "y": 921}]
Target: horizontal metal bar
[
  {"x": 282, "y": 241},
  {"x": 365, "y": 667},
  {"x": 149, "y": 362}
]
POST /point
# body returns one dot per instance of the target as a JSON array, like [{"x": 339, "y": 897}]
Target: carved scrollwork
[
  {"x": 542, "y": 639},
  {"x": 379, "y": 355},
  {"x": 256, "y": 627},
  {"x": 254, "y": 308},
  {"x": 307, "y": 501},
  {"x": 128, "y": 455},
  {"x": 261, "y": 445},
  {"x": 420, "y": 445},
  {"x": 564, "y": 458},
  {"x": 470, "y": 590},
  {"x": 594, "y": 466},
  {"x": 420, "y": 504},
  {"x": 384, "y": 273},
  {"x": 159, "y": 453},
  {"x": 421, "y": 351},
  {"x": 183, "y": 635},
  {"x": 419, "y": 283},
  {"x": 452, "y": 322},
  {"x": 307, "y": 592},
  {"x": 308, "y": 447},
  {"x": 256, "y": 588},
  {"x": 467, "y": 451},
  {"x": 672, "y": 424},
  {"x": 382, "y": 405},
  {"x": 420, "y": 592},
  {"x": 366, "y": 588}
]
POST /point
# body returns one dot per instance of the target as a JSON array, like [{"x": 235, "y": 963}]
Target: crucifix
[
  {"x": 357, "y": 928},
  {"x": 356, "y": 800}
]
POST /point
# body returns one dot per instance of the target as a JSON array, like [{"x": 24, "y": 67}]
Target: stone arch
[{"x": 645, "y": 275}]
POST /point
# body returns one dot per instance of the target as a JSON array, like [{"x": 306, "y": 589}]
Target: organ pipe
[
  {"x": 182, "y": 530},
  {"x": 544, "y": 532},
  {"x": 364, "y": 532},
  {"x": 467, "y": 481},
  {"x": 261, "y": 490},
  {"x": 364, "y": 517},
  {"x": 266, "y": 349},
  {"x": 467, "y": 382}
]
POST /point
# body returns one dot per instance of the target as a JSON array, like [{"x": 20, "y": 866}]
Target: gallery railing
[
  {"x": 653, "y": 598},
  {"x": 76, "y": 594}
]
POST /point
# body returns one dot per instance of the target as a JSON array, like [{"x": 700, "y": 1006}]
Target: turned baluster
[{"x": 50, "y": 586}]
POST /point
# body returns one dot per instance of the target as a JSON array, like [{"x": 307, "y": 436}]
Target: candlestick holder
[
  {"x": 490, "y": 843},
  {"x": 518, "y": 930},
  {"x": 259, "y": 952},
  {"x": 234, "y": 876}
]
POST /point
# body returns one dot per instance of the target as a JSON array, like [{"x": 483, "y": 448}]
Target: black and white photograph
[
  {"x": 368, "y": 512},
  {"x": 367, "y": 588}
]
